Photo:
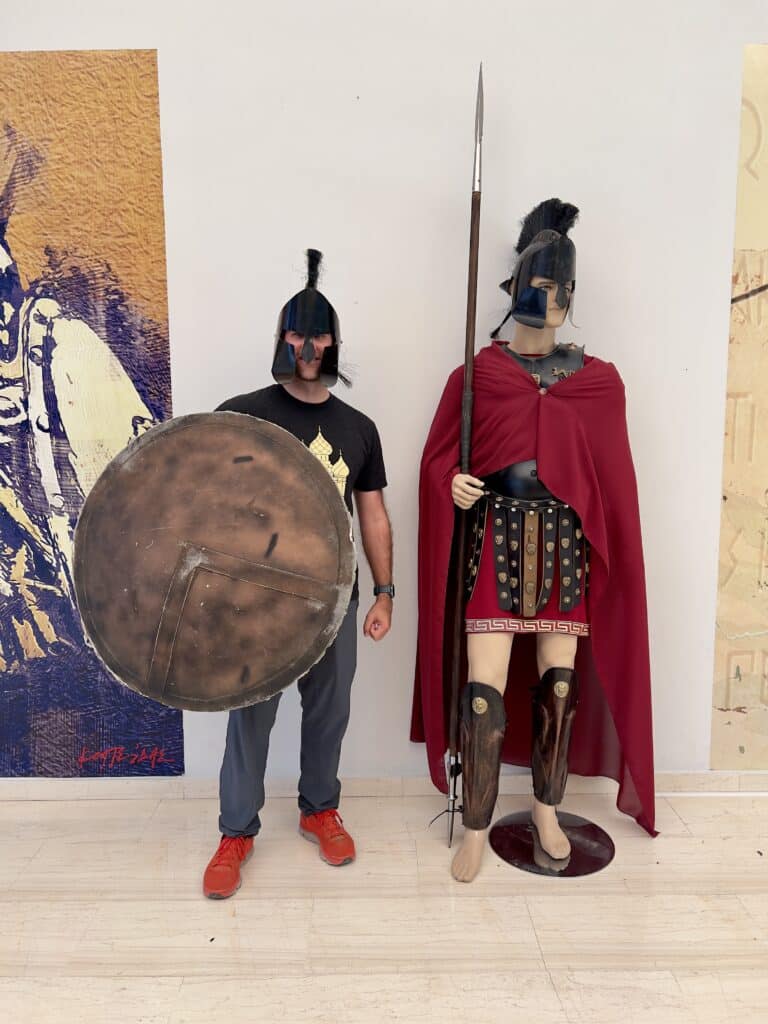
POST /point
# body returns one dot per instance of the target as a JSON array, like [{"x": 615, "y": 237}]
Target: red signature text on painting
[{"x": 112, "y": 756}]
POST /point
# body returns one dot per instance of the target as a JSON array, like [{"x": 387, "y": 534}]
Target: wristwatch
[{"x": 384, "y": 588}]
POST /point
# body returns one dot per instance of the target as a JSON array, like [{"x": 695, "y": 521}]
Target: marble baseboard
[{"x": 511, "y": 783}]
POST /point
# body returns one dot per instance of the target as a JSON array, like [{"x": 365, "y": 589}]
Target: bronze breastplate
[{"x": 562, "y": 362}]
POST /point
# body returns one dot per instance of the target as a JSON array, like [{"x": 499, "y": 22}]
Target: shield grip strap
[{"x": 193, "y": 560}]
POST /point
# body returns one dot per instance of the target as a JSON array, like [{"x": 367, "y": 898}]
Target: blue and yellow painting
[{"x": 84, "y": 369}]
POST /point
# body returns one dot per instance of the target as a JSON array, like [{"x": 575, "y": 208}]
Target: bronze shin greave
[
  {"x": 554, "y": 706},
  {"x": 483, "y": 722}
]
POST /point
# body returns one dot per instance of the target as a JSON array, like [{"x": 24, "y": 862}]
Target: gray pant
[{"x": 325, "y": 692}]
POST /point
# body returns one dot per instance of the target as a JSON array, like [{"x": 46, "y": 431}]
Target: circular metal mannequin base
[{"x": 515, "y": 839}]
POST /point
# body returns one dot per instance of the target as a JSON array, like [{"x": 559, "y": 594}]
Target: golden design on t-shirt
[{"x": 338, "y": 470}]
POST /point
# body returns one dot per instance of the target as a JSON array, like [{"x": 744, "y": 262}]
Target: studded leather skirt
[{"x": 528, "y": 568}]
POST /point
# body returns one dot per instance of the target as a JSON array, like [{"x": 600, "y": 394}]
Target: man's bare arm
[{"x": 376, "y": 535}]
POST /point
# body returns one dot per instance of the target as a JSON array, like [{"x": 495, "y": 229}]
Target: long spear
[{"x": 454, "y": 766}]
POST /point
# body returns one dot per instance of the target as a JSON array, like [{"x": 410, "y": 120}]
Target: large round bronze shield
[{"x": 213, "y": 562}]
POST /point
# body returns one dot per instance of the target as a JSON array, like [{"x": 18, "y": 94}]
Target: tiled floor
[{"x": 103, "y": 920}]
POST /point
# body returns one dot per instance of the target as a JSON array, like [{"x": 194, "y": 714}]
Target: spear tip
[
  {"x": 478, "y": 132},
  {"x": 479, "y": 106}
]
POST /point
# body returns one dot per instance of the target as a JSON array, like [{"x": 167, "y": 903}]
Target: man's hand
[
  {"x": 466, "y": 490},
  {"x": 379, "y": 618}
]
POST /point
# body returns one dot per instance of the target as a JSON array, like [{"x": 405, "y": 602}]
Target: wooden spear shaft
[{"x": 454, "y": 768}]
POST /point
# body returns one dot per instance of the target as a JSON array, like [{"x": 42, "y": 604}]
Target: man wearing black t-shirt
[{"x": 347, "y": 443}]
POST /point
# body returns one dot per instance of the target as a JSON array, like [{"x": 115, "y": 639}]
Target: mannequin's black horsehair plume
[{"x": 551, "y": 215}]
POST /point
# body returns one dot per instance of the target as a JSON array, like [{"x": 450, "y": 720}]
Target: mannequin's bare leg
[
  {"x": 552, "y": 651},
  {"x": 488, "y": 656}
]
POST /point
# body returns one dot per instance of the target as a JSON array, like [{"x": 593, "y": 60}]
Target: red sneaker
[
  {"x": 326, "y": 828},
  {"x": 222, "y": 876}
]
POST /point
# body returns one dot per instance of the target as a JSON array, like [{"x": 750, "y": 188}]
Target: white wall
[{"x": 348, "y": 126}]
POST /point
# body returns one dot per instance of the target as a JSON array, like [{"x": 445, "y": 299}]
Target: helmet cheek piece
[
  {"x": 284, "y": 360},
  {"x": 549, "y": 255},
  {"x": 531, "y": 307},
  {"x": 329, "y": 365}
]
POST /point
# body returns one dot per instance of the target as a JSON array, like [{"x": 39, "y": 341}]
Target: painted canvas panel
[
  {"x": 740, "y": 713},
  {"x": 84, "y": 369}
]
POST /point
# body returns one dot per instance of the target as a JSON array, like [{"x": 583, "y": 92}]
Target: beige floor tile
[
  {"x": 411, "y": 814},
  {"x": 422, "y": 936},
  {"x": 136, "y": 787},
  {"x": 75, "y": 820},
  {"x": 179, "y": 820},
  {"x": 646, "y": 932},
  {"x": 363, "y": 787},
  {"x": 15, "y": 856},
  {"x": 703, "y": 865},
  {"x": 631, "y": 997},
  {"x": 756, "y": 905},
  {"x": 384, "y": 867},
  {"x": 662, "y": 997},
  {"x": 131, "y": 938},
  {"x": 112, "y": 869},
  {"x": 146, "y": 1000},
  {"x": 471, "y": 998},
  {"x": 722, "y": 815},
  {"x": 726, "y": 997},
  {"x": 117, "y": 870},
  {"x": 675, "y": 930}
]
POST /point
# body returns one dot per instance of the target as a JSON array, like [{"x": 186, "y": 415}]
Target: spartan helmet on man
[{"x": 310, "y": 314}]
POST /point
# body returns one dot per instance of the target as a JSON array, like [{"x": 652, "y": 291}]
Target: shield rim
[{"x": 343, "y": 586}]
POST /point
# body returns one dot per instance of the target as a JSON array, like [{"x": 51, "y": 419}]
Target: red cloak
[{"x": 577, "y": 432}]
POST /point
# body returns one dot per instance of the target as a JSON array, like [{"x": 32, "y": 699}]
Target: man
[{"x": 305, "y": 366}]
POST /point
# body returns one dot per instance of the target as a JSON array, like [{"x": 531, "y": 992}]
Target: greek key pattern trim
[{"x": 527, "y": 626}]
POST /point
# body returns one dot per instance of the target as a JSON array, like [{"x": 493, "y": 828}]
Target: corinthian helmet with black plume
[
  {"x": 310, "y": 314},
  {"x": 543, "y": 250}
]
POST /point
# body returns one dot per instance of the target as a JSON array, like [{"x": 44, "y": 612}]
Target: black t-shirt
[{"x": 344, "y": 440}]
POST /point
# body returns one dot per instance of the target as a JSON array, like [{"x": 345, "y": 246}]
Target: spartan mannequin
[
  {"x": 551, "y": 474},
  {"x": 537, "y": 595}
]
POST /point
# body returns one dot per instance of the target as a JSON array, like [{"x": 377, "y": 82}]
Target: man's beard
[{"x": 307, "y": 371}]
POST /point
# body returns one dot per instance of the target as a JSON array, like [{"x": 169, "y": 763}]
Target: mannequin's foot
[
  {"x": 551, "y": 836},
  {"x": 466, "y": 863}
]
